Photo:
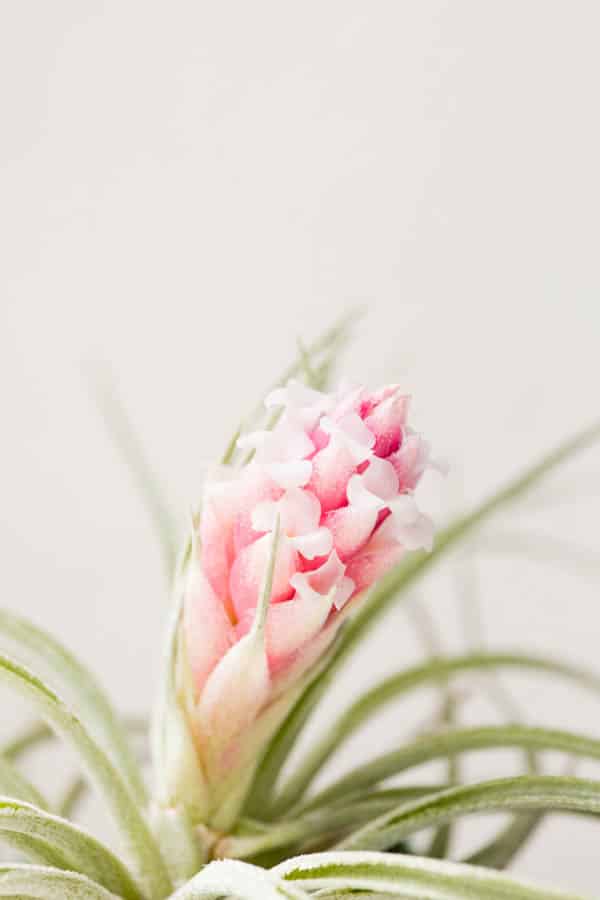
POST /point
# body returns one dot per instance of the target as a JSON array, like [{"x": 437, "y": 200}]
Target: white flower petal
[
  {"x": 297, "y": 395},
  {"x": 314, "y": 544},
  {"x": 360, "y": 497},
  {"x": 300, "y": 512},
  {"x": 351, "y": 432},
  {"x": 343, "y": 592},
  {"x": 416, "y": 535},
  {"x": 380, "y": 478},
  {"x": 404, "y": 509},
  {"x": 293, "y": 474}
]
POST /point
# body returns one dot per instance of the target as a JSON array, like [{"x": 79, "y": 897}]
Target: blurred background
[{"x": 187, "y": 188}]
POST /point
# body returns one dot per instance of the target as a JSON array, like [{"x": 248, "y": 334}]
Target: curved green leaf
[
  {"x": 383, "y": 596},
  {"x": 128, "y": 817},
  {"x": 391, "y": 688},
  {"x": 23, "y": 882},
  {"x": 133, "y": 454},
  {"x": 319, "y": 828},
  {"x": 449, "y": 743},
  {"x": 30, "y": 737},
  {"x": 411, "y": 877},
  {"x": 45, "y": 652},
  {"x": 13, "y": 784},
  {"x": 498, "y": 853},
  {"x": 180, "y": 789},
  {"x": 526, "y": 792},
  {"x": 66, "y": 846}
]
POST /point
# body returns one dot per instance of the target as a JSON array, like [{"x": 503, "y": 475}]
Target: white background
[{"x": 187, "y": 187}]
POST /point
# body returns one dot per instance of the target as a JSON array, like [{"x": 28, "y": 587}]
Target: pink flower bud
[{"x": 335, "y": 477}]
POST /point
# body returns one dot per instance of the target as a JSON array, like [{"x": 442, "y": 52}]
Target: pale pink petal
[
  {"x": 314, "y": 544},
  {"x": 248, "y": 572},
  {"x": 386, "y": 422},
  {"x": 207, "y": 628},
  {"x": 327, "y": 579},
  {"x": 350, "y": 432},
  {"x": 380, "y": 479},
  {"x": 300, "y": 512},
  {"x": 371, "y": 399},
  {"x": 256, "y": 487},
  {"x": 407, "y": 525},
  {"x": 287, "y": 441},
  {"x": 332, "y": 467},
  {"x": 352, "y": 526},
  {"x": 217, "y": 521},
  {"x": 372, "y": 562},
  {"x": 350, "y": 398},
  {"x": 410, "y": 461},
  {"x": 293, "y": 474},
  {"x": 298, "y": 396},
  {"x": 292, "y": 624}
]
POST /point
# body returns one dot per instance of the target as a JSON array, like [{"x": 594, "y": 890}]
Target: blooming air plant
[{"x": 307, "y": 533}]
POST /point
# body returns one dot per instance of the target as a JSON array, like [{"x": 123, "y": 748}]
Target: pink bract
[{"x": 338, "y": 473}]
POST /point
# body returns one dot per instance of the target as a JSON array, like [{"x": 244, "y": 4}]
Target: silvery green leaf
[
  {"x": 45, "y": 653},
  {"x": 133, "y": 453},
  {"x": 501, "y": 851},
  {"x": 13, "y": 784},
  {"x": 60, "y": 843},
  {"x": 411, "y": 877},
  {"x": 522, "y": 793},
  {"x": 395, "y": 686},
  {"x": 23, "y": 882},
  {"x": 128, "y": 817},
  {"x": 445, "y": 744}
]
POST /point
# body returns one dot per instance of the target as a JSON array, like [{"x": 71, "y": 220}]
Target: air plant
[{"x": 307, "y": 533}]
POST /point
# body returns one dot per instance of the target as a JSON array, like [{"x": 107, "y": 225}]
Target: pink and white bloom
[{"x": 336, "y": 476}]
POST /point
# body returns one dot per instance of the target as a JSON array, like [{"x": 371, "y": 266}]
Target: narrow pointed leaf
[
  {"x": 393, "y": 687},
  {"x": 439, "y": 746},
  {"x": 13, "y": 784},
  {"x": 133, "y": 453},
  {"x": 23, "y": 882},
  {"x": 45, "y": 653},
  {"x": 128, "y": 817},
  {"x": 501, "y": 851},
  {"x": 411, "y": 877},
  {"x": 526, "y": 792},
  {"x": 70, "y": 847}
]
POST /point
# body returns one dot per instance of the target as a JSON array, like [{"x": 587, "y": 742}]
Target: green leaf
[
  {"x": 13, "y": 784},
  {"x": 30, "y": 737},
  {"x": 72, "y": 797},
  {"x": 391, "y": 688},
  {"x": 128, "y": 817},
  {"x": 238, "y": 881},
  {"x": 383, "y": 596},
  {"x": 525, "y": 792},
  {"x": 95, "y": 708},
  {"x": 253, "y": 839},
  {"x": 180, "y": 789},
  {"x": 64, "y": 845},
  {"x": 23, "y": 882},
  {"x": 133, "y": 453},
  {"x": 502, "y": 850},
  {"x": 409, "y": 877},
  {"x": 448, "y": 743}
]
